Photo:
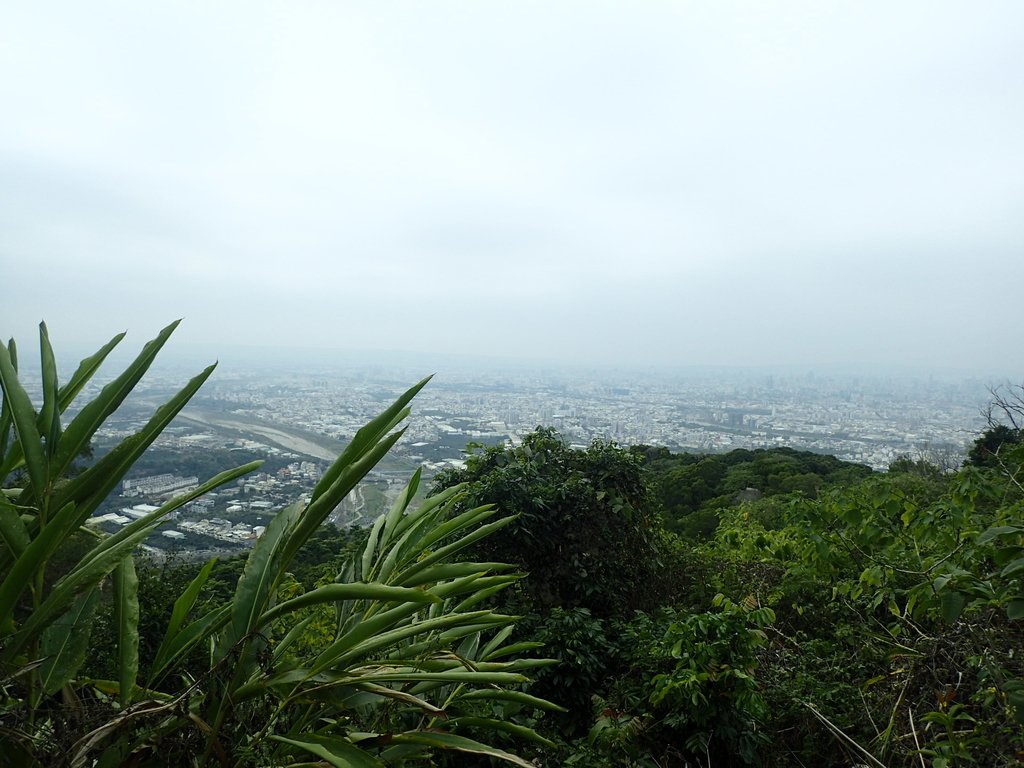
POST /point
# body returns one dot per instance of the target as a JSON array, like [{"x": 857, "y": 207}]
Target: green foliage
[
  {"x": 903, "y": 464},
  {"x": 993, "y": 443},
  {"x": 40, "y": 521},
  {"x": 689, "y": 691},
  {"x": 587, "y": 659},
  {"x": 875, "y": 619},
  {"x": 711, "y": 693},
  {"x": 584, "y": 523},
  {"x": 896, "y": 605},
  {"x": 892, "y": 594},
  {"x": 693, "y": 488},
  {"x": 404, "y": 669},
  {"x": 918, "y": 557}
]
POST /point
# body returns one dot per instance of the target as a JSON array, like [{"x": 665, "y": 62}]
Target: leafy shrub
[
  {"x": 586, "y": 656},
  {"x": 689, "y": 690},
  {"x": 585, "y": 525}
]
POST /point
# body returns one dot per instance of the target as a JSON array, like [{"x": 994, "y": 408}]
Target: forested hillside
[
  {"x": 692, "y": 488},
  {"x": 825, "y": 615}
]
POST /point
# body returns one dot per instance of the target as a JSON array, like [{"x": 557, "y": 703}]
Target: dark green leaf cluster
[
  {"x": 585, "y": 524},
  {"x": 692, "y": 488},
  {"x": 876, "y": 621}
]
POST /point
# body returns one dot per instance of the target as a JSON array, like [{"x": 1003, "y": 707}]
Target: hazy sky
[{"x": 634, "y": 182}]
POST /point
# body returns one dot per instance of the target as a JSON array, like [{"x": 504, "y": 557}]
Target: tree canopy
[{"x": 585, "y": 527}]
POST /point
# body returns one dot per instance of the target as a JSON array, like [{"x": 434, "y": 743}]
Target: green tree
[
  {"x": 693, "y": 488},
  {"x": 993, "y": 444},
  {"x": 583, "y": 522},
  {"x": 1005, "y": 418}
]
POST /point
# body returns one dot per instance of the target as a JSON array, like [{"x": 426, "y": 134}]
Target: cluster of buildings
[
  {"x": 159, "y": 485},
  {"x": 217, "y": 528},
  {"x": 867, "y": 420}
]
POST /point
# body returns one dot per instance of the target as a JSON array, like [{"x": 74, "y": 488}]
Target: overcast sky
[{"x": 635, "y": 182}]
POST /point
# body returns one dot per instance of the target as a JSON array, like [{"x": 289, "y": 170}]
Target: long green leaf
[
  {"x": 484, "y": 592},
  {"x": 450, "y": 741},
  {"x": 511, "y": 650},
  {"x": 370, "y": 444},
  {"x": 380, "y": 641},
  {"x": 188, "y": 598},
  {"x": 33, "y": 560},
  {"x": 445, "y": 552},
  {"x": 517, "y": 697},
  {"x": 386, "y": 567},
  {"x": 86, "y": 370},
  {"x": 417, "y": 532},
  {"x": 255, "y": 586},
  {"x": 330, "y": 593},
  {"x": 293, "y": 634},
  {"x": 179, "y": 611},
  {"x": 256, "y": 591},
  {"x": 391, "y": 693},
  {"x": 335, "y": 750},
  {"x": 6, "y": 417},
  {"x": 490, "y": 724},
  {"x": 83, "y": 577},
  {"x": 429, "y": 508},
  {"x": 367, "y": 625},
  {"x": 126, "y": 618},
  {"x": 49, "y": 417},
  {"x": 445, "y": 571},
  {"x": 84, "y": 425},
  {"x": 371, "y": 547},
  {"x": 365, "y": 437},
  {"x": 13, "y": 532},
  {"x": 319, "y": 509},
  {"x": 409, "y": 527},
  {"x": 101, "y": 560},
  {"x": 465, "y": 519},
  {"x": 451, "y": 662},
  {"x": 65, "y": 643},
  {"x": 385, "y": 674},
  {"x": 24, "y": 418},
  {"x": 90, "y": 488},
  {"x": 185, "y": 640},
  {"x": 401, "y": 504},
  {"x": 371, "y": 628}
]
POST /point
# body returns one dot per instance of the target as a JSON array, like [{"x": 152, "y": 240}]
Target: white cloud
[{"x": 554, "y": 179}]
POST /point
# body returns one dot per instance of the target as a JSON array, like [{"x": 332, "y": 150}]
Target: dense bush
[
  {"x": 692, "y": 488},
  {"x": 584, "y": 524}
]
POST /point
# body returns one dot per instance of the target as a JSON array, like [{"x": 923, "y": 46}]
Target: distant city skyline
[
  {"x": 663, "y": 184},
  {"x": 414, "y": 364}
]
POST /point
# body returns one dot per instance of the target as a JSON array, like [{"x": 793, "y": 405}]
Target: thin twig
[
  {"x": 913, "y": 730},
  {"x": 892, "y": 718},
  {"x": 838, "y": 732},
  {"x": 867, "y": 711}
]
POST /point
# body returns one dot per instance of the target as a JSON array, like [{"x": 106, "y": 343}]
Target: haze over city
[{"x": 632, "y": 184}]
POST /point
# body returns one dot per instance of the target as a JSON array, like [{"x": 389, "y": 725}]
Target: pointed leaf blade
[
  {"x": 126, "y": 618},
  {"x": 24, "y": 417},
  {"x": 65, "y": 643}
]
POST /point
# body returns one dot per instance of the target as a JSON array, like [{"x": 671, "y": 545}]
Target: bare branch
[{"x": 1007, "y": 405}]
